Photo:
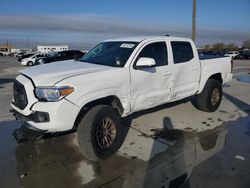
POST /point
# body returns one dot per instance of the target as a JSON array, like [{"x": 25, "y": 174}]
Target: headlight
[{"x": 52, "y": 94}]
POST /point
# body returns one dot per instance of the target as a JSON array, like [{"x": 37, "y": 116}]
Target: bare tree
[
  {"x": 231, "y": 46},
  {"x": 207, "y": 47},
  {"x": 218, "y": 46}
]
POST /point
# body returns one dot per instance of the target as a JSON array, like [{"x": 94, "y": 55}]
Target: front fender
[{"x": 93, "y": 96}]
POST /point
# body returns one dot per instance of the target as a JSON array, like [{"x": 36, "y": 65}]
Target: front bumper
[
  {"x": 56, "y": 116},
  {"x": 27, "y": 132},
  {"x": 24, "y": 63},
  {"x": 37, "y": 117}
]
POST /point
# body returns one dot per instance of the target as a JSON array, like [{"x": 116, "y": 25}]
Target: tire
[
  {"x": 210, "y": 98},
  {"x": 30, "y": 63},
  {"x": 89, "y": 139}
]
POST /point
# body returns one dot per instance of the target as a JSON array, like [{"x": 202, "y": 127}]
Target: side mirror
[{"x": 145, "y": 62}]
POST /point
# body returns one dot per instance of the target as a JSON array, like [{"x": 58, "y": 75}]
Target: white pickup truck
[{"x": 114, "y": 79}]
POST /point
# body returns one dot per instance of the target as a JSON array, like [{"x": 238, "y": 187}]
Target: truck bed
[
  {"x": 220, "y": 65},
  {"x": 204, "y": 57}
]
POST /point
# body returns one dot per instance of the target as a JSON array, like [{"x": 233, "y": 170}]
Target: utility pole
[
  {"x": 7, "y": 45},
  {"x": 194, "y": 21}
]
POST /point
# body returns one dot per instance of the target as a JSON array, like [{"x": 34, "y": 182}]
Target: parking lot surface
[{"x": 164, "y": 147}]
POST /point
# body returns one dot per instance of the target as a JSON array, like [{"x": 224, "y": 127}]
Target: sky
[{"x": 84, "y": 23}]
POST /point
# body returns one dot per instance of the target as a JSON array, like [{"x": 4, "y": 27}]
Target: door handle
[{"x": 167, "y": 73}]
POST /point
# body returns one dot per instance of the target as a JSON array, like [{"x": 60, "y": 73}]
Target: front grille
[{"x": 20, "y": 97}]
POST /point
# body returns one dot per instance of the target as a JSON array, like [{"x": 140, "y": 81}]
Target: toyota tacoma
[{"x": 116, "y": 78}]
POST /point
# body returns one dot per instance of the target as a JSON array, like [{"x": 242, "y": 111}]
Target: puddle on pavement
[
  {"x": 226, "y": 165},
  {"x": 247, "y": 132},
  {"x": 8, "y": 175},
  {"x": 245, "y": 79},
  {"x": 57, "y": 162}
]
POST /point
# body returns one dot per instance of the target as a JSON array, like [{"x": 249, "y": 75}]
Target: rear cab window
[{"x": 182, "y": 51}]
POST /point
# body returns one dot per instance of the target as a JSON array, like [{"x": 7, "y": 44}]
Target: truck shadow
[{"x": 237, "y": 102}]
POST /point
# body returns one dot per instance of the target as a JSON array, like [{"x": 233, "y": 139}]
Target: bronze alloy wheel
[
  {"x": 215, "y": 96},
  {"x": 106, "y": 132}
]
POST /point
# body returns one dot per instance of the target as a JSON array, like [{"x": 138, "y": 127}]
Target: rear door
[
  {"x": 150, "y": 85},
  {"x": 186, "y": 69}
]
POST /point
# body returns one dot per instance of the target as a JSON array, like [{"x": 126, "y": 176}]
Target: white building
[{"x": 47, "y": 49}]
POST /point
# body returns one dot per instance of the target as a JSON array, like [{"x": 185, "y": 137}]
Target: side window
[
  {"x": 157, "y": 51},
  {"x": 182, "y": 51}
]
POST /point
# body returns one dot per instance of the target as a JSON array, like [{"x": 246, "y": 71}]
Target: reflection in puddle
[
  {"x": 87, "y": 170},
  {"x": 56, "y": 162}
]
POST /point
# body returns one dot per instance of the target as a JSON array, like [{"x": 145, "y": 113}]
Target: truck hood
[{"x": 50, "y": 74}]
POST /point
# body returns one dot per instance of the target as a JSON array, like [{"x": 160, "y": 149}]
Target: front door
[{"x": 150, "y": 86}]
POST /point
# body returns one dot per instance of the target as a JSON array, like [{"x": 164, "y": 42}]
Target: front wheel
[
  {"x": 210, "y": 98},
  {"x": 100, "y": 133},
  {"x": 30, "y": 63}
]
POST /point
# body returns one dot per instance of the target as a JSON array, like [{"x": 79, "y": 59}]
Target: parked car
[
  {"x": 5, "y": 53},
  {"x": 231, "y": 54},
  {"x": 244, "y": 54},
  {"x": 23, "y": 56},
  {"x": 116, "y": 78},
  {"x": 29, "y": 61},
  {"x": 60, "y": 56},
  {"x": 1, "y": 54}
]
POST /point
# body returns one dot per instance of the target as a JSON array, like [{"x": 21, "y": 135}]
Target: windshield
[{"x": 113, "y": 54}]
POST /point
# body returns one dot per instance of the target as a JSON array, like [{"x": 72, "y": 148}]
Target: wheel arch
[
  {"x": 214, "y": 76},
  {"x": 111, "y": 100},
  {"x": 217, "y": 77}
]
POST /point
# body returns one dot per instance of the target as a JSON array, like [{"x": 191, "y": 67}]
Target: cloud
[
  {"x": 79, "y": 24},
  {"x": 102, "y": 26}
]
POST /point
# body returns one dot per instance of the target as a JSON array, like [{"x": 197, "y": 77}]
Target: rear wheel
[
  {"x": 100, "y": 133},
  {"x": 210, "y": 98}
]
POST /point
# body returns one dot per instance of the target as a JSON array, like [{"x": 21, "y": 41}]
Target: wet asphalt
[
  {"x": 219, "y": 157},
  {"x": 205, "y": 159},
  {"x": 229, "y": 168}
]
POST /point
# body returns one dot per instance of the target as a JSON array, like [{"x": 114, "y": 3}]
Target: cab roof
[{"x": 147, "y": 38}]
